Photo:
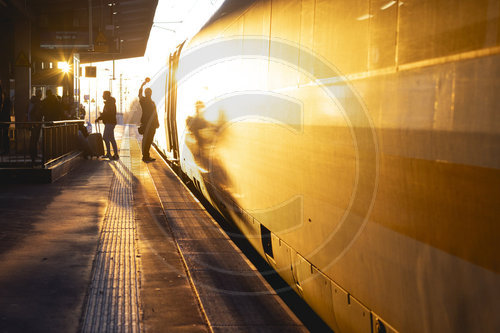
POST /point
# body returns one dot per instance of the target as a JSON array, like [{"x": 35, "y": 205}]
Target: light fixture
[{"x": 64, "y": 66}]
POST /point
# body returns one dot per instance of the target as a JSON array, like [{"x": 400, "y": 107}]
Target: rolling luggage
[{"x": 95, "y": 142}]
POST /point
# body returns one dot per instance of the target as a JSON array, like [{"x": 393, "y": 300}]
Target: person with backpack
[{"x": 108, "y": 117}]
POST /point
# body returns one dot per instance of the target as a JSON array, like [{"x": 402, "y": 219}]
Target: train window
[{"x": 266, "y": 241}]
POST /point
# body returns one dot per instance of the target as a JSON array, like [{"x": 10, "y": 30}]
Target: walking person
[
  {"x": 108, "y": 117},
  {"x": 149, "y": 121}
]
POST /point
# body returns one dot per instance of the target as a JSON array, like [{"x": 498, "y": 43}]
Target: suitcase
[{"x": 95, "y": 142}]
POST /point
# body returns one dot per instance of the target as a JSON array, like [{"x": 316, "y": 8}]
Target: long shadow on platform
[{"x": 48, "y": 239}]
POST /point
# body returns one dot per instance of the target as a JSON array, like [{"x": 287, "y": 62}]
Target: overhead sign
[
  {"x": 22, "y": 60},
  {"x": 76, "y": 39},
  {"x": 90, "y": 71}
]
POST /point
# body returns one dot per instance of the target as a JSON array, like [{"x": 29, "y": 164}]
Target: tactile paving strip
[{"x": 113, "y": 303}]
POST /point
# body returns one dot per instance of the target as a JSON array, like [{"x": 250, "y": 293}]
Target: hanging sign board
[
  {"x": 63, "y": 39},
  {"x": 90, "y": 71}
]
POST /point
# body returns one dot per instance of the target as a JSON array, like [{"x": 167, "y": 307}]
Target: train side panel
[{"x": 277, "y": 148}]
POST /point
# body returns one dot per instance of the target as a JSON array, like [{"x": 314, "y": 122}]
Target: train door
[{"x": 171, "y": 104}]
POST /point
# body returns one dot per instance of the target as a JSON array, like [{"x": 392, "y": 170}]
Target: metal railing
[{"x": 37, "y": 144}]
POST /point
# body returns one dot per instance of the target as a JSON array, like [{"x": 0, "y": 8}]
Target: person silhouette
[
  {"x": 51, "y": 108},
  {"x": 5, "y": 109},
  {"x": 149, "y": 120},
  {"x": 35, "y": 114},
  {"x": 108, "y": 117}
]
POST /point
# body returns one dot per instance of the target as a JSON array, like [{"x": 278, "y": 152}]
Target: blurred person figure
[
  {"x": 35, "y": 114},
  {"x": 51, "y": 108},
  {"x": 5, "y": 107},
  {"x": 35, "y": 107},
  {"x": 149, "y": 121},
  {"x": 83, "y": 143},
  {"x": 108, "y": 117},
  {"x": 82, "y": 112},
  {"x": 66, "y": 107}
]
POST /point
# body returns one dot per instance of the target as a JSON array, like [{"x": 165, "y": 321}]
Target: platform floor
[{"x": 123, "y": 246}]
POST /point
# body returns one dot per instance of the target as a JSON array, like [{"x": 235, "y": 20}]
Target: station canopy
[{"x": 119, "y": 28}]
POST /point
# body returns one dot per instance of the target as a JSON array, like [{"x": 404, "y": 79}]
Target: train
[{"x": 356, "y": 145}]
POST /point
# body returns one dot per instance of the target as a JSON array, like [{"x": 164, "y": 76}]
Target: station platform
[{"x": 123, "y": 246}]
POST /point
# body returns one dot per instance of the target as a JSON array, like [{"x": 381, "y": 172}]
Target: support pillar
[
  {"x": 6, "y": 54},
  {"x": 22, "y": 70}
]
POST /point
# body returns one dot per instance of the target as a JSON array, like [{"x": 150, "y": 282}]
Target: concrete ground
[
  {"x": 48, "y": 239},
  {"x": 53, "y": 241}
]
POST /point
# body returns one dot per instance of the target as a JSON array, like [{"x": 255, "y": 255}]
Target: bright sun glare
[
  {"x": 63, "y": 66},
  {"x": 175, "y": 21}
]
